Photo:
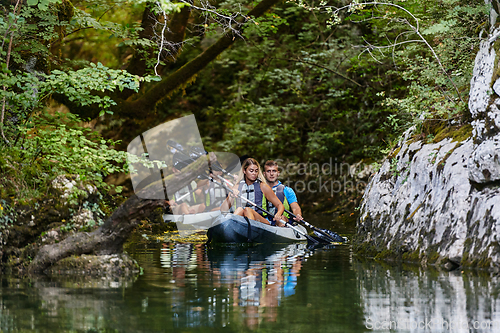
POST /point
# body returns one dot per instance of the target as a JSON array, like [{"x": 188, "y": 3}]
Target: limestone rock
[
  {"x": 440, "y": 202},
  {"x": 67, "y": 186},
  {"x": 421, "y": 202},
  {"x": 484, "y": 164}
]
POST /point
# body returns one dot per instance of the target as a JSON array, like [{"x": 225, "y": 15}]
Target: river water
[{"x": 194, "y": 288}]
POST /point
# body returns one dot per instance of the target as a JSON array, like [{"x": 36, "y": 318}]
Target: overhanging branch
[{"x": 146, "y": 103}]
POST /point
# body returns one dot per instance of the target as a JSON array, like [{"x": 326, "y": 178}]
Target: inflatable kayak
[{"x": 229, "y": 228}]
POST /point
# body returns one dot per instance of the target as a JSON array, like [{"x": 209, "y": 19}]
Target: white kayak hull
[{"x": 200, "y": 220}]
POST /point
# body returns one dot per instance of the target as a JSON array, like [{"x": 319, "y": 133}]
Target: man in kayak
[
  {"x": 284, "y": 193},
  {"x": 253, "y": 187}
]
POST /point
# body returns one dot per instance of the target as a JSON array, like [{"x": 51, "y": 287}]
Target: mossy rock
[
  {"x": 433, "y": 257},
  {"x": 394, "y": 153},
  {"x": 456, "y": 133},
  {"x": 413, "y": 256},
  {"x": 105, "y": 265}
]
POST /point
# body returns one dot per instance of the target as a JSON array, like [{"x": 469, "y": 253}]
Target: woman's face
[{"x": 251, "y": 172}]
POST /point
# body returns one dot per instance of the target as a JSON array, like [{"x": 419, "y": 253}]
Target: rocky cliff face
[{"x": 440, "y": 202}]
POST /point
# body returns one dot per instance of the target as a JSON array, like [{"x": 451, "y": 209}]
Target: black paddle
[{"x": 328, "y": 234}]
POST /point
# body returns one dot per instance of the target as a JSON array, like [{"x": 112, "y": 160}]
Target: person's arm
[
  {"x": 296, "y": 211},
  {"x": 199, "y": 194},
  {"x": 292, "y": 201},
  {"x": 268, "y": 192},
  {"x": 227, "y": 203},
  {"x": 203, "y": 183}
]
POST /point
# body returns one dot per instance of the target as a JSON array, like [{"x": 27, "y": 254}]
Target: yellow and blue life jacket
[
  {"x": 215, "y": 196},
  {"x": 268, "y": 205}
]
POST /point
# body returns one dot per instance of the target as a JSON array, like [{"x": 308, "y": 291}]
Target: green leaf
[
  {"x": 440, "y": 28},
  {"x": 43, "y": 5}
]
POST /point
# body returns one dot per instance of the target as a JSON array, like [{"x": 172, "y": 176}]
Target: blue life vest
[{"x": 252, "y": 192}]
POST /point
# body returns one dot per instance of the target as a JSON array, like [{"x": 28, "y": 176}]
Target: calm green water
[{"x": 192, "y": 288}]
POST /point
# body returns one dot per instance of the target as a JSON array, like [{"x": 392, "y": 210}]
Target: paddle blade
[
  {"x": 334, "y": 237},
  {"x": 314, "y": 242}
]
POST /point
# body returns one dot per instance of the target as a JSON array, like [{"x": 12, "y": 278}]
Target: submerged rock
[{"x": 119, "y": 265}]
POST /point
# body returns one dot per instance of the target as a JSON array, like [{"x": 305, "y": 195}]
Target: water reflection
[
  {"x": 253, "y": 280},
  {"x": 50, "y": 305},
  {"x": 193, "y": 288},
  {"x": 411, "y": 299}
]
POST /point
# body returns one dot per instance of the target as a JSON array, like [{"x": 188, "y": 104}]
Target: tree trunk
[
  {"x": 174, "y": 36},
  {"x": 146, "y": 103},
  {"x": 110, "y": 237}
]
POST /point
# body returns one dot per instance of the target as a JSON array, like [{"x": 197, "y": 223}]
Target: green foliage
[
  {"x": 53, "y": 148},
  {"x": 283, "y": 100},
  {"x": 40, "y": 145},
  {"x": 451, "y": 30},
  {"x": 432, "y": 47},
  {"x": 27, "y": 91},
  {"x": 33, "y": 29},
  {"x": 7, "y": 215},
  {"x": 171, "y": 7},
  {"x": 264, "y": 26},
  {"x": 79, "y": 85},
  {"x": 103, "y": 31},
  {"x": 41, "y": 4}
]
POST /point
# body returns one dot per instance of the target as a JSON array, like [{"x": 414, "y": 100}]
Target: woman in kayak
[{"x": 253, "y": 187}]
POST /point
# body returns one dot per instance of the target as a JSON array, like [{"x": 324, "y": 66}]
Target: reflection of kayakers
[
  {"x": 253, "y": 187},
  {"x": 290, "y": 277},
  {"x": 187, "y": 199},
  {"x": 256, "y": 281},
  {"x": 215, "y": 195}
]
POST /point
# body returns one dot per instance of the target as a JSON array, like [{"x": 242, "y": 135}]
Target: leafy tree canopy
[{"x": 303, "y": 81}]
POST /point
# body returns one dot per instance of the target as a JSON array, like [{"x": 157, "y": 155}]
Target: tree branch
[
  {"x": 173, "y": 35},
  {"x": 138, "y": 108},
  {"x": 110, "y": 237},
  {"x": 330, "y": 70}
]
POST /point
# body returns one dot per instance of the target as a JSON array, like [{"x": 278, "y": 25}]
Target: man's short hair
[{"x": 271, "y": 163}]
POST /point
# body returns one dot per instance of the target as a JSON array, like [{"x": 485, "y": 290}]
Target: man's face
[{"x": 271, "y": 173}]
